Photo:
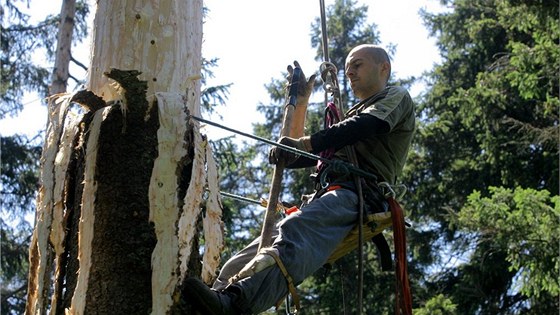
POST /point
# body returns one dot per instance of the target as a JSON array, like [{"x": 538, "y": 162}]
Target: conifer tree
[{"x": 484, "y": 171}]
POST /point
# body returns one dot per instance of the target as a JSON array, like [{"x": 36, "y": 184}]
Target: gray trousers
[{"x": 304, "y": 240}]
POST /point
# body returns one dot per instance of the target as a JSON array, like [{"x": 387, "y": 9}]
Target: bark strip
[
  {"x": 192, "y": 201},
  {"x": 62, "y": 161},
  {"x": 87, "y": 219},
  {"x": 163, "y": 197},
  {"x": 40, "y": 260},
  {"x": 212, "y": 222}
]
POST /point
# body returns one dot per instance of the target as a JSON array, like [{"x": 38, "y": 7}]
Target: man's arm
[{"x": 348, "y": 132}]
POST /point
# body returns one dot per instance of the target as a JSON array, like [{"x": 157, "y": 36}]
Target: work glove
[
  {"x": 276, "y": 154},
  {"x": 305, "y": 86}
]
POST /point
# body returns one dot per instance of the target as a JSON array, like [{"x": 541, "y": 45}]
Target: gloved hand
[
  {"x": 305, "y": 86},
  {"x": 276, "y": 154}
]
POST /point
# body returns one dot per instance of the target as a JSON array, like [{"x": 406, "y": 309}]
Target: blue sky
[{"x": 255, "y": 40}]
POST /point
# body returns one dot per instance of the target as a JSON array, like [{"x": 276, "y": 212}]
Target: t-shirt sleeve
[{"x": 388, "y": 108}]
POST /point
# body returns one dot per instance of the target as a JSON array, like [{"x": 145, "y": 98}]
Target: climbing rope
[
  {"x": 341, "y": 164},
  {"x": 330, "y": 84},
  {"x": 324, "y": 33}
]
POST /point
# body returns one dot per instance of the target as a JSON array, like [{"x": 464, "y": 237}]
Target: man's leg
[
  {"x": 235, "y": 264},
  {"x": 305, "y": 241}
]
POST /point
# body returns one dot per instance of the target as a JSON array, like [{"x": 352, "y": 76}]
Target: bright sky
[{"x": 255, "y": 40}]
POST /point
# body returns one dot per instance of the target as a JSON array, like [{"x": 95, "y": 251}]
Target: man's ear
[{"x": 386, "y": 67}]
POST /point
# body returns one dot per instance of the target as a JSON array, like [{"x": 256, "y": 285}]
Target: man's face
[{"x": 366, "y": 76}]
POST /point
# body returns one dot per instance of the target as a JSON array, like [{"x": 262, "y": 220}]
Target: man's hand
[
  {"x": 305, "y": 86},
  {"x": 276, "y": 154}
]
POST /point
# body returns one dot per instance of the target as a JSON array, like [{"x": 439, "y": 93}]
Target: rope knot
[{"x": 337, "y": 166}]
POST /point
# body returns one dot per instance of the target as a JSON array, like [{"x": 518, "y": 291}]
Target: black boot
[{"x": 208, "y": 301}]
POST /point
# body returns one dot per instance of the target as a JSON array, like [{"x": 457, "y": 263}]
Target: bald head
[
  {"x": 376, "y": 53},
  {"x": 368, "y": 67}
]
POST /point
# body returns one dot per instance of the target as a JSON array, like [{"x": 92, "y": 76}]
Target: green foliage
[
  {"x": 212, "y": 96},
  {"x": 526, "y": 223},
  {"x": 14, "y": 264},
  {"x": 20, "y": 174},
  {"x": 438, "y": 305},
  {"x": 489, "y": 119},
  {"x": 22, "y": 43}
]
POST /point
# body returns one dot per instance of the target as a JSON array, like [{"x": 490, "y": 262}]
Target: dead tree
[{"x": 119, "y": 211}]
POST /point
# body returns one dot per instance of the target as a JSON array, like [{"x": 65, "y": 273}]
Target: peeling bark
[
  {"x": 87, "y": 220},
  {"x": 119, "y": 209},
  {"x": 164, "y": 201},
  {"x": 212, "y": 223},
  {"x": 192, "y": 202},
  {"x": 58, "y": 227},
  {"x": 40, "y": 248}
]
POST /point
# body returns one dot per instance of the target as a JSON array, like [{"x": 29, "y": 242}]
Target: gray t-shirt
[{"x": 385, "y": 155}]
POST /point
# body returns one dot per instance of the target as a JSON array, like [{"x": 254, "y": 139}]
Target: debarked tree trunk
[
  {"x": 114, "y": 187},
  {"x": 110, "y": 235},
  {"x": 119, "y": 211}
]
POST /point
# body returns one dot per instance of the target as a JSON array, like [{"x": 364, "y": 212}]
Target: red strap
[
  {"x": 403, "y": 297},
  {"x": 332, "y": 116},
  {"x": 333, "y": 187},
  {"x": 291, "y": 210}
]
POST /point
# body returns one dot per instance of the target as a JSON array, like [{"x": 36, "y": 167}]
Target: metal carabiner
[
  {"x": 391, "y": 190},
  {"x": 328, "y": 75}
]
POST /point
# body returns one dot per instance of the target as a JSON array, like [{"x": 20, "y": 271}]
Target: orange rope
[{"x": 403, "y": 298}]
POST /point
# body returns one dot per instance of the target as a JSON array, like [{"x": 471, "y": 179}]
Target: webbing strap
[
  {"x": 384, "y": 252},
  {"x": 403, "y": 298},
  {"x": 291, "y": 285}
]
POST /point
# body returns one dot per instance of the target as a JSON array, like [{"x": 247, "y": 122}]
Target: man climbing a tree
[{"x": 378, "y": 132}]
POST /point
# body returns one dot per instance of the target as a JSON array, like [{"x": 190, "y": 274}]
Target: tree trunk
[
  {"x": 60, "y": 74},
  {"x": 161, "y": 39},
  {"x": 119, "y": 210}
]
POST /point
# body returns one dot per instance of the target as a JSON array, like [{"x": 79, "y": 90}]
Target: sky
[{"x": 255, "y": 40}]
